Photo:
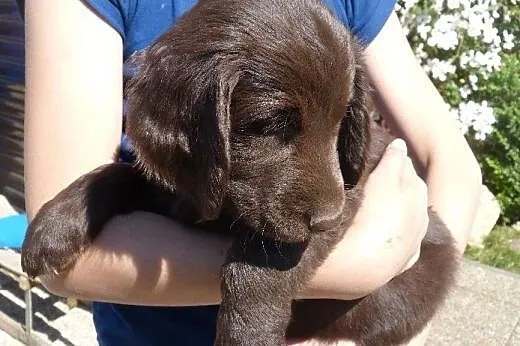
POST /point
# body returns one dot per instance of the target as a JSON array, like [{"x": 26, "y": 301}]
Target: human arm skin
[
  {"x": 416, "y": 112},
  {"x": 73, "y": 125},
  {"x": 146, "y": 259}
]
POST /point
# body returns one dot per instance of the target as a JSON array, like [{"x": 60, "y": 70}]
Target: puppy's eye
[{"x": 284, "y": 124}]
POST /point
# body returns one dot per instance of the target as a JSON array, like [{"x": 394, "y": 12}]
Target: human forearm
[
  {"x": 454, "y": 183},
  {"x": 144, "y": 258},
  {"x": 415, "y": 111},
  {"x": 147, "y": 259},
  {"x": 444, "y": 160}
]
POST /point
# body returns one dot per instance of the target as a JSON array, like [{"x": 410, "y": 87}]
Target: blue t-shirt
[{"x": 140, "y": 22}]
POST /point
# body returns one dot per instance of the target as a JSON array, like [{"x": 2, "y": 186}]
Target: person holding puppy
[{"x": 153, "y": 281}]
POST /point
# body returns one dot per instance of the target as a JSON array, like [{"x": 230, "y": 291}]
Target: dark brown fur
[{"x": 250, "y": 117}]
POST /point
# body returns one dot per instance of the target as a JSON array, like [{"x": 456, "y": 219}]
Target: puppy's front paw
[
  {"x": 56, "y": 237},
  {"x": 67, "y": 224}
]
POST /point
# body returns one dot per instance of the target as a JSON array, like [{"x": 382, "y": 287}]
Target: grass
[{"x": 497, "y": 251}]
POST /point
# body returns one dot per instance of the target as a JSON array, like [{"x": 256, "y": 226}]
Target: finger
[
  {"x": 397, "y": 146},
  {"x": 392, "y": 161},
  {"x": 408, "y": 174}
]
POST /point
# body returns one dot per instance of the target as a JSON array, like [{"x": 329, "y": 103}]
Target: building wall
[{"x": 11, "y": 103}]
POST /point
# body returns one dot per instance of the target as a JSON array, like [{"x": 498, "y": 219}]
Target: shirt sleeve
[
  {"x": 140, "y": 22},
  {"x": 112, "y": 11},
  {"x": 367, "y": 17}
]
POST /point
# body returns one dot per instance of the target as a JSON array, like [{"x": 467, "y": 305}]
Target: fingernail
[{"x": 398, "y": 144}]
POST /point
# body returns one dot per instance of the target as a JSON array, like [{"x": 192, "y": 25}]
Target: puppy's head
[{"x": 256, "y": 109}]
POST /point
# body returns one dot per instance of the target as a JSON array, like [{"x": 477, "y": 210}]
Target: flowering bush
[
  {"x": 468, "y": 49},
  {"x": 499, "y": 154},
  {"x": 460, "y": 43}
]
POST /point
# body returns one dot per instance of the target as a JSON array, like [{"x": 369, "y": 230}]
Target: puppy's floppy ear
[
  {"x": 354, "y": 136},
  {"x": 179, "y": 122}
]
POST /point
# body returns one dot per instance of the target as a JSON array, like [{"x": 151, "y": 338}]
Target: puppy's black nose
[{"x": 323, "y": 222}]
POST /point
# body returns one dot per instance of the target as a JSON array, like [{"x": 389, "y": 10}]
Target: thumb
[
  {"x": 397, "y": 145},
  {"x": 394, "y": 157}
]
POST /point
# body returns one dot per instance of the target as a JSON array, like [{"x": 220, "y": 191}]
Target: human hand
[
  {"x": 399, "y": 198},
  {"x": 385, "y": 236}
]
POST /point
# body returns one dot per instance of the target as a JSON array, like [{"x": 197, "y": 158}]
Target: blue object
[
  {"x": 128, "y": 325},
  {"x": 140, "y": 22},
  {"x": 12, "y": 231}
]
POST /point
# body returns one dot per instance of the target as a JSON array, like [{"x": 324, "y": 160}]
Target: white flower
[
  {"x": 480, "y": 117},
  {"x": 445, "y": 40},
  {"x": 467, "y": 112},
  {"x": 496, "y": 41},
  {"x": 474, "y": 26},
  {"x": 444, "y": 33},
  {"x": 473, "y": 79},
  {"x": 465, "y": 91},
  {"x": 420, "y": 52},
  {"x": 423, "y": 30},
  {"x": 489, "y": 34},
  {"x": 410, "y": 3},
  {"x": 438, "y": 26},
  {"x": 438, "y": 5},
  {"x": 508, "y": 40},
  {"x": 466, "y": 58},
  {"x": 453, "y": 4},
  {"x": 494, "y": 62},
  {"x": 480, "y": 136},
  {"x": 466, "y": 3},
  {"x": 440, "y": 69},
  {"x": 491, "y": 60}
]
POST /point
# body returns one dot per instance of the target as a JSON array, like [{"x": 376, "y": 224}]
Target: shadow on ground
[{"x": 45, "y": 309}]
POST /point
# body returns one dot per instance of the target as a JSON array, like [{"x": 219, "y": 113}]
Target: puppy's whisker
[
  {"x": 247, "y": 239},
  {"x": 280, "y": 252},
  {"x": 278, "y": 243},
  {"x": 263, "y": 245},
  {"x": 284, "y": 127},
  {"x": 236, "y": 220}
]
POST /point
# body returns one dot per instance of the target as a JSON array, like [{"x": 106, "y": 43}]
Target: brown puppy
[{"x": 249, "y": 116}]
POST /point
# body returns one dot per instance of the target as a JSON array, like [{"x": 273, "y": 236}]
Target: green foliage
[
  {"x": 497, "y": 251},
  {"x": 475, "y": 69},
  {"x": 499, "y": 154}
]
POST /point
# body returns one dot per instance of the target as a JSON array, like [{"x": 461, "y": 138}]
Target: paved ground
[
  {"x": 53, "y": 321},
  {"x": 484, "y": 309}
]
